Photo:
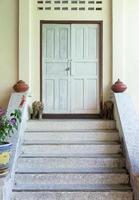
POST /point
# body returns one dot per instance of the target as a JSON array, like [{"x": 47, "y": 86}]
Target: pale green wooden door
[{"x": 70, "y": 68}]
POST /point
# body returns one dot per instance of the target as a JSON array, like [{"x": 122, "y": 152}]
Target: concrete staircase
[{"x": 70, "y": 160}]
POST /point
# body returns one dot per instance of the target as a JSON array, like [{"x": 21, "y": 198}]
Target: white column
[
  {"x": 118, "y": 50},
  {"x": 24, "y": 41}
]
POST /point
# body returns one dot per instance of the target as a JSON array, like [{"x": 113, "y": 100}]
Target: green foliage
[{"x": 9, "y": 124}]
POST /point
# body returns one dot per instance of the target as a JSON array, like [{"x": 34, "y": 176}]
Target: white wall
[
  {"x": 10, "y": 70},
  {"x": 29, "y": 69},
  {"x": 132, "y": 49},
  {"x": 8, "y": 48}
]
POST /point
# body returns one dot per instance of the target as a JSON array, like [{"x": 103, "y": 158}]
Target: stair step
[
  {"x": 69, "y": 124},
  {"x": 72, "y": 171},
  {"x": 79, "y": 178},
  {"x": 67, "y": 142},
  {"x": 70, "y": 187},
  {"x": 71, "y": 159},
  {"x": 93, "y": 148},
  {"x": 98, "y": 195},
  {"x": 98, "y": 135},
  {"x": 31, "y": 155},
  {"x": 46, "y": 163},
  {"x": 112, "y": 195}
]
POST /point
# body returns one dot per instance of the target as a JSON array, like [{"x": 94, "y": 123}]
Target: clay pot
[
  {"x": 20, "y": 86},
  {"x": 118, "y": 86}
]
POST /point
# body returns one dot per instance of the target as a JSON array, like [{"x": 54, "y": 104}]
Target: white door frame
[{"x": 25, "y": 40}]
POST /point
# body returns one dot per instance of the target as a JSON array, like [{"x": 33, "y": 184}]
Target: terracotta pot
[
  {"x": 118, "y": 86},
  {"x": 20, "y": 86}
]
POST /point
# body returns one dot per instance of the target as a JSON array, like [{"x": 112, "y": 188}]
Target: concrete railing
[
  {"x": 6, "y": 182},
  {"x": 128, "y": 124}
]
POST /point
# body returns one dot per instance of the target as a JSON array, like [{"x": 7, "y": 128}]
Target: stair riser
[
  {"x": 73, "y": 195},
  {"x": 71, "y": 136},
  {"x": 59, "y": 163},
  {"x": 59, "y": 125},
  {"x": 67, "y": 149},
  {"x": 71, "y": 179}
]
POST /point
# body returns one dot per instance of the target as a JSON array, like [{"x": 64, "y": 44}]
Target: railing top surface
[{"x": 129, "y": 121}]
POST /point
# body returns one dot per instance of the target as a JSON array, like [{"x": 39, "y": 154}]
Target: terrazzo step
[
  {"x": 72, "y": 178},
  {"x": 95, "y": 135},
  {"x": 93, "y": 148},
  {"x": 27, "y": 162},
  {"x": 71, "y": 159},
  {"x": 68, "y": 192},
  {"x": 74, "y": 171},
  {"x": 69, "y": 124},
  {"x": 66, "y": 142},
  {"x": 124, "y": 195}
]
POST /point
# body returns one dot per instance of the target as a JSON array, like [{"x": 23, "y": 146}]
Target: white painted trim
[
  {"x": 25, "y": 40},
  {"x": 118, "y": 57}
]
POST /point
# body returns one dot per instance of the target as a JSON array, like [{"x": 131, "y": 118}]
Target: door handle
[{"x": 67, "y": 69}]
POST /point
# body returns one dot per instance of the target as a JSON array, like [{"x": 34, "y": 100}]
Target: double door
[{"x": 70, "y": 68}]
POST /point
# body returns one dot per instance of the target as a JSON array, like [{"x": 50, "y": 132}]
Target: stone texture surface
[
  {"x": 130, "y": 128},
  {"x": 72, "y": 178},
  {"x": 71, "y": 148},
  {"x": 73, "y": 196},
  {"x": 59, "y": 163},
  {"x": 68, "y": 124},
  {"x": 83, "y": 163},
  {"x": 128, "y": 123},
  {"x": 107, "y": 135},
  {"x": 71, "y": 188}
]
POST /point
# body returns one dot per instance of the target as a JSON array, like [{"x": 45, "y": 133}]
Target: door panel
[
  {"x": 92, "y": 44},
  {"x": 85, "y": 67},
  {"x": 90, "y": 95},
  {"x": 77, "y": 91},
  {"x": 79, "y": 39},
  {"x": 49, "y": 38},
  {"x": 55, "y": 69},
  {"x": 63, "y": 94},
  {"x": 49, "y": 91},
  {"x": 56, "y": 53}
]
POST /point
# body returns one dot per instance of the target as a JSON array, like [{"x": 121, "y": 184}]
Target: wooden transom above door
[{"x": 70, "y": 68}]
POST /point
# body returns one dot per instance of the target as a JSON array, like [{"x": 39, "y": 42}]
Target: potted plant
[{"x": 8, "y": 125}]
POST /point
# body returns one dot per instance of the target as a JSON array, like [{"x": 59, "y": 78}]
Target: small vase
[
  {"x": 20, "y": 86},
  {"x": 5, "y": 155},
  {"x": 118, "y": 87}
]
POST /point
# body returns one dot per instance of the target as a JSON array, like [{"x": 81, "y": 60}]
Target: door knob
[{"x": 67, "y": 69}]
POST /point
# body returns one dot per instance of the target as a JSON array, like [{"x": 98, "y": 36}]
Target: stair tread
[
  {"x": 68, "y": 142},
  {"x": 74, "y": 171},
  {"x": 71, "y": 120},
  {"x": 45, "y": 142},
  {"x": 70, "y": 124},
  {"x": 70, "y": 187},
  {"x": 77, "y": 130},
  {"x": 71, "y": 156}
]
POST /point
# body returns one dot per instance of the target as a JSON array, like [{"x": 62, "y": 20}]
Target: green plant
[{"x": 8, "y": 124}]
